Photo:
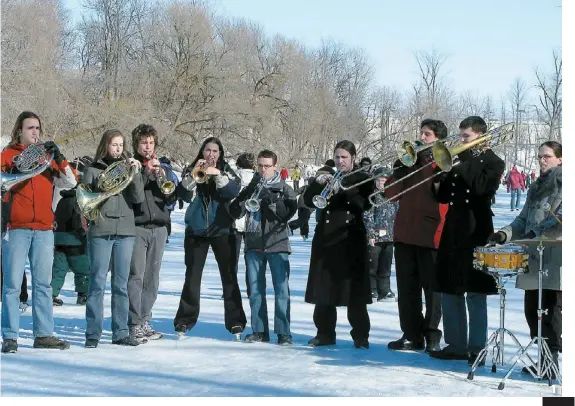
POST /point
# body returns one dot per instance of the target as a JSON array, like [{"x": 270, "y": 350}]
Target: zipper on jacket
[{"x": 33, "y": 201}]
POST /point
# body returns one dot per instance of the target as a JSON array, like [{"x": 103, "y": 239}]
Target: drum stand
[
  {"x": 545, "y": 366},
  {"x": 497, "y": 338}
]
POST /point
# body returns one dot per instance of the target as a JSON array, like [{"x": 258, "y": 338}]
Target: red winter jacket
[
  {"x": 515, "y": 180},
  {"x": 30, "y": 202}
]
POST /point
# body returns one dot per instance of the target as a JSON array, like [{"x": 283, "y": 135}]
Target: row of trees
[{"x": 192, "y": 73}]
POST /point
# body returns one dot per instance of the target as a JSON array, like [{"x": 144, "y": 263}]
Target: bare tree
[
  {"x": 517, "y": 97},
  {"x": 550, "y": 97}
]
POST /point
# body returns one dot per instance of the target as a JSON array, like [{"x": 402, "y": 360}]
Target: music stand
[{"x": 545, "y": 364}]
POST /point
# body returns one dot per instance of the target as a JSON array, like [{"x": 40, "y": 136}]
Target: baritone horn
[
  {"x": 31, "y": 162},
  {"x": 111, "y": 182},
  {"x": 444, "y": 157}
]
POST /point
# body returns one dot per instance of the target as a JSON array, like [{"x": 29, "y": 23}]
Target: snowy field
[{"x": 210, "y": 363}]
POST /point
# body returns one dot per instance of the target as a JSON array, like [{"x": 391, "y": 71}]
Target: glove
[
  {"x": 266, "y": 197},
  {"x": 465, "y": 155},
  {"x": 52, "y": 148},
  {"x": 498, "y": 238},
  {"x": 323, "y": 179},
  {"x": 529, "y": 236}
]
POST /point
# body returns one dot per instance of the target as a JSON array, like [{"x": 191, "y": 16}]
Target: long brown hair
[
  {"x": 102, "y": 150},
  {"x": 15, "y": 138}
]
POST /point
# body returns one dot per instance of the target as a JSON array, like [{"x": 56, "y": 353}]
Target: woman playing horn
[
  {"x": 27, "y": 208},
  {"x": 111, "y": 238}
]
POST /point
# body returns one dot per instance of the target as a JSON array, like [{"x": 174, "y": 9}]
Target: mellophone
[{"x": 504, "y": 261}]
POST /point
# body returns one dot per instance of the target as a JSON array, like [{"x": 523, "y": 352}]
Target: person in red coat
[
  {"x": 284, "y": 174},
  {"x": 515, "y": 185}
]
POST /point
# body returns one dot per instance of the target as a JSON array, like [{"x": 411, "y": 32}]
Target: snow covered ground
[{"x": 210, "y": 363}]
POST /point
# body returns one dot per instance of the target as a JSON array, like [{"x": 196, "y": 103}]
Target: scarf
[
  {"x": 547, "y": 183},
  {"x": 253, "y": 220}
]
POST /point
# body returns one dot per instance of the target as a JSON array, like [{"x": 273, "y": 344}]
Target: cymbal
[{"x": 535, "y": 242}]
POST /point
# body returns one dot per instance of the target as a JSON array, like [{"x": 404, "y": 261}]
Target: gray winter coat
[
  {"x": 117, "y": 212},
  {"x": 267, "y": 229},
  {"x": 546, "y": 189},
  {"x": 379, "y": 221}
]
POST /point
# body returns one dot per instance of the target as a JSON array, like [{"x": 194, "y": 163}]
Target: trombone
[
  {"x": 407, "y": 155},
  {"x": 443, "y": 157},
  {"x": 320, "y": 201}
]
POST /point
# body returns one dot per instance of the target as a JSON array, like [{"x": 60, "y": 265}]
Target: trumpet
[
  {"x": 443, "y": 157},
  {"x": 199, "y": 173},
  {"x": 320, "y": 201},
  {"x": 166, "y": 186},
  {"x": 253, "y": 203},
  {"x": 31, "y": 162}
]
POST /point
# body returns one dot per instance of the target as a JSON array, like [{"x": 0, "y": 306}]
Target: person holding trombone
[{"x": 338, "y": 274}]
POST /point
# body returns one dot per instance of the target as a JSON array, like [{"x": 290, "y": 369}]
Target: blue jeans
[
  {"x": 102, "y": 250},
  {"x": 17, "y": 245},
  {"x": 515, "y": 198},
  {"x": 455, "y": 322},
  {"x": 256, "y": 269}
]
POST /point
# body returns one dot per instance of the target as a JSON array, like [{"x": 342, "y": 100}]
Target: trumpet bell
[
  {"x": 199, "y": 175},
  {"x": 319, "y": 201},
  {"x": 168, "y": 187},
  {"x": 252, "y": 205},
  {"x": 88, "y": 202}
]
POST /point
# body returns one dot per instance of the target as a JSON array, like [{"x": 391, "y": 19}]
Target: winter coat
[
  {"x": 246, "y": 176},
  {"x": 515, "y": 180},
  {"x": 70, "y": 229},
  {"x": 338, "y": 267},
  {"x": 379, "y": 221},
  {"x": 29, "y": 203},
  {"x": 267, "y": 229},
  {"x": 208, "y": 212},
  {"x": 116, "y": 212},
  {"x": 419, "y": 219},
  {"x": 468, "y": 189},
  {"x": 284, "y": 174},
  {"x": 296, "y": 174},
  {"x": 546, "y": 189},
  {"x": 153, "y": 211}
]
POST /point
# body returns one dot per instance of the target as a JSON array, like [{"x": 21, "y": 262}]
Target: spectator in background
[
  {"x": 284, "y": 174},
  {"x": 296, "y": 176},
  {"x": 515, "y": 185}
]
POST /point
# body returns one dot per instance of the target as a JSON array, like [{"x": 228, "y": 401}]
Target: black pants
[
  {"x": 302, "y": 222},
  {"x": 325, "y": 318},
  {"x": 551, "y": 323},
  {"x": 296, "y": 185},
  {"x": 415, "y": 270},
  {"x": 380, "y": 259},
  {"x": 196, "y": 252},
  {"x": 23, "y": 289}
]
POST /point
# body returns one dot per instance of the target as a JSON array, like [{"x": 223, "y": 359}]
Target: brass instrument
[
  {"x": 199, "y": 173},
  {"x": 111, "y": 182},
  {"x": 253, "y": 203},
  {"x": 166, "y": 186},
  {"x": 443, "y": 157},
  {"x": 31, "y": 162},
  {"x": 320, "y": 201}
]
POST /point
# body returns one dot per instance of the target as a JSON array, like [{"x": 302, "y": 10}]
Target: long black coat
[
  {"x": 468, "y": 190},
  {"x": 338, "y": 267}
]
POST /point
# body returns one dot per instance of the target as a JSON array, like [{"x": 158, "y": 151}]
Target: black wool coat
[
  {"x": 468, "y": 189},
  {"x": 338, "y": 266}
]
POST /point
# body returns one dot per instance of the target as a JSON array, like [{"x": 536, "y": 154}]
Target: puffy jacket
[
  {"x": 208, "y": 213},
  {"x": 69, "y": 230},
  {"x": 379, "y": 221},
  {"x": 269, "y": 230},
  {"x": 29, "y": 204},
  {"x": 116, "y": 212},
  {"x": 515, "y": 180}
]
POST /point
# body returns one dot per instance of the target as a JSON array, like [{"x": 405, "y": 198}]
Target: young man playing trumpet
[
  {"x": 152, "y": 218},
  {"x": 270, "y": 203}
]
